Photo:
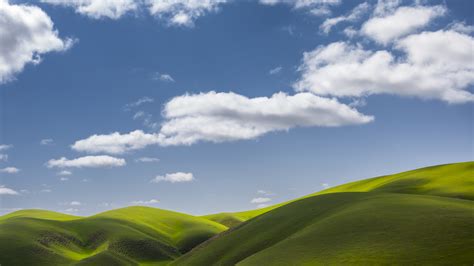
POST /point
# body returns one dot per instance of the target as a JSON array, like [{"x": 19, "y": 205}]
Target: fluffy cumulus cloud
[
  {"x": 27, "y": 32},
  {"x": 97, "y": 9},
  {"x": 178, "y": 177},
  {"x": 430, "y": 65},
  {"x": 7, "y": 191},
  {"x": 3, "y": 157},
  {"x": 86, "y": 161},
  {"x": 402, "y": 21},
  {"x": 117, "y": 143},
  {"x": 9, "y": 170},
  {"x": 219, "y": 117}
]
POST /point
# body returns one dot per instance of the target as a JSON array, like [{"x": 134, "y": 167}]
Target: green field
[{"x": 420, "y": 217}]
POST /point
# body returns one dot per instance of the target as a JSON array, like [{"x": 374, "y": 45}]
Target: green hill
[
  {"x": 419, "y": 217},
  {"x": 349, "y": 229},
  {"x": 450, "y": 180},
  {"x": 125, "y": 236}
]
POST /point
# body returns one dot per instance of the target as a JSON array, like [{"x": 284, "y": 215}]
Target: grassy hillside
[
  {"x": 349, "y": 228},
  {"x": 450, "y": 180},
  {"x": 424, "y": 216},
  {"x": 125, "y": 236}
]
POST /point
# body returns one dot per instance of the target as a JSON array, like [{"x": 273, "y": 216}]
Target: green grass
[
  {"x": 449, "y": 180},
  {"x": 349, "y": 229},
  {"x": 125, "y": 236},
  {"x": 419, "y": 217}
]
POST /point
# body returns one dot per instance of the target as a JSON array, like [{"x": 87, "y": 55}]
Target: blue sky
[{"x": 205, "y": 107}]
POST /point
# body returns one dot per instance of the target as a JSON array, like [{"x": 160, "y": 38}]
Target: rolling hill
[
  {"x": 419, "y": 217},
  {"x": 451, "y": 180},
  {"x": 125, "y": 236}
]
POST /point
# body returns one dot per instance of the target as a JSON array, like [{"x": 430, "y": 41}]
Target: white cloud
[
  {"x": 64, "y": 173},
  {"x": 182, "y": 12},
  {"x": 4, "y": 147},
  {"x": 71, "y": 210},
  {"x": 139, "y": 102},
  {"x": 174, "y": 178},
  {"x": 7, "y": 191},
  {"x": 117, "y": 143},
  {"x": 260, "y": 200},
  {"x": 264, "y": 192},
  {"x": 98, "y": 9},
  {"x": 147, "y": 160},
  {"x": 3, "y": 157},
  {"x": 325, "y": 185},
  {"x": 350, "y": 32},
  {"x": 433, "y": 65},
  {"x": 301, "y": 3},
  {"x": 63, "y": 179},
  {"x": 27, "y": 33},
  {"x": 403, "y": 21},
  {"x": 46, "y": 141},
  {"x": 46, "y": 190},
  {"x": 87, "y": 161},
  {"x": 145, "y": 202},
  {"x": 263, "y": 205},
  {"x": 163, "y": 77},
  {"x": 219, "y": 117},
  {"x": 147, "y": 119},
  {"x": 461, "y": 27},
  {"x": 321, "y": 11},
  {"x": 354, "y": 15},
  {"x": 9, "y": 170},
  {"x": 275, "y": 70},
  {"x": 384, "y": 7},
  {"x": 75, "y": 203}
]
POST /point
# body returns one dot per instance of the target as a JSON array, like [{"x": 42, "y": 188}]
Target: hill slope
[
  {"x": 346, "y": 229},
  {"x": 120, "y": 237},
  {"x": 450, "y": 180}
]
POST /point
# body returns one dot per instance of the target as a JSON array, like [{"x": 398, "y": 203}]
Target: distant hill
[{"x": 123, "y": 236}]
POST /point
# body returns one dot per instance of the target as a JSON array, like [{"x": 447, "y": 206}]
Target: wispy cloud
[
  {"x": 46, "y": 141},
  {"x": 139, "y": 102},
  {"x": 4, "y": 147},
  {"x": 86, "y": 161},
  {"x": 275, "y": 70},
  {"x": 145, "y": 202},
  {"x": 163, "y": 77},
  {"x": 64, "y": 173},
  {"x": 260, "y": 200},
  {"x": 9, "y": 170},
  {"x": 147, "y": 160}
]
